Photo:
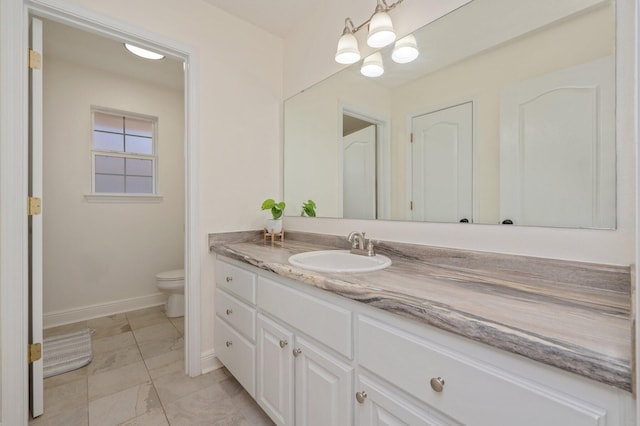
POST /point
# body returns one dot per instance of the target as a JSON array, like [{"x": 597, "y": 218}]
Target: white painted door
[
  {"x": 323, "y": 387},
  {"x": 557, "y": 148},
  {"x": 35, "y": 223},
  {"x": 359, "y": 174},
  {"x": 275, "y": 371},
  {"x": 441, "y": 165}
]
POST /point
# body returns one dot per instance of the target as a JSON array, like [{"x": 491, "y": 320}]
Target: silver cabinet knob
[
  {"x": 229, "y": 311},
  {"x": 297, "y": 351},
  {"x": 437, "y": 384},
  {"x": 283, "y": 343},
  {"x": 361, "y": 396},
  {"x": 229, "y": 343},
  {"x": 229, "y": 279}
]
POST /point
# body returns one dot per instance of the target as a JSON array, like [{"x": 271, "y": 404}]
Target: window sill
[{"x": 123, "y": 198}]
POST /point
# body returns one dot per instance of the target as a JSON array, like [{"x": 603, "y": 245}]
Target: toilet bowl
[{"x": 172, "y": 283}]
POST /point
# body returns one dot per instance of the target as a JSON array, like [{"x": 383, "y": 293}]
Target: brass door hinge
[
  {"x": 35, "y": 352},
  {"x": 411, "y": 137},
  {"x": 410, "y": 205},
  {"x": 35, "y": 60},
  {"x": 34, "y": 206}
]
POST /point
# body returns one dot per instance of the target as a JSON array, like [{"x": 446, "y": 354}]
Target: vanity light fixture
[
  {"x": 381, "y": 33},
  {"x": 143, "y": 53},
  {"x": 372, "y": 65},
  {"x": 405, "y": 50}
]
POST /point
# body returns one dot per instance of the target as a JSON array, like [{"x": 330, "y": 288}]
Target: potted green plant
[
  {"x": 274, "y": 225},
  {"x": 308, "y": 208}
]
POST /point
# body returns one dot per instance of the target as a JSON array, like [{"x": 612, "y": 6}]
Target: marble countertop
[{"x": 571, "y": 315}]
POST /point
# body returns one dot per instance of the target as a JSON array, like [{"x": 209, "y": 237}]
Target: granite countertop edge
[{"x": 564, "y": 355}]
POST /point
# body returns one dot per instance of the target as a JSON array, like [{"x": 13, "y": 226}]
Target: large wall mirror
[{"x": 507, "y": 116}]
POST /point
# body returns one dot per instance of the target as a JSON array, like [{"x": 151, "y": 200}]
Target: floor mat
[{"x": 67, "y": 352}]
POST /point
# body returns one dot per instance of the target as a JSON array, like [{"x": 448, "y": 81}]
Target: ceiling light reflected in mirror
[{"x": 143, "y": 53}]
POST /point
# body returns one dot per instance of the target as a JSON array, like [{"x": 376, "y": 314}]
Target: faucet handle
[{"x": 370, "y": 250}]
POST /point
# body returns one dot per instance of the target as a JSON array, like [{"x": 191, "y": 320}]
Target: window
[{"x": 124, "y": 153}]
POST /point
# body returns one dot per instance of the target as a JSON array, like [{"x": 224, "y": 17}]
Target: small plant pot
[{"x": 273, "y": 226}]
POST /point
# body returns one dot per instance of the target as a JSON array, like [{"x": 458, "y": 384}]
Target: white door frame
[{"x": 14, "y": 120}]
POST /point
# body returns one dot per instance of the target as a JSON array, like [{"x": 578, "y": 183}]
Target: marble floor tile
[
  {"x": 118, "y": 341},
  {"x": 166, "y": 363},
  {"x": 109, "y": 325},
  {"x": 146, "y": 317},
  {"x": 174, "y": 386},
  {"x": 209, "y": 406},
  {"x": 136, "y": 378},
  {"x": 111, "y": 360},
  {"x": 155, "y": 417},
  {"x": 116, "y": 380},
  {"x": 178, "y": 323},
  {"x": 124, "y": 405},
  {"x": 74, "y": 417}
]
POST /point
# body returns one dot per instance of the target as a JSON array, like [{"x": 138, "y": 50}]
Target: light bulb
[
  {"x": 372, "y": 65},
  {"x": 405, "y": 50}
]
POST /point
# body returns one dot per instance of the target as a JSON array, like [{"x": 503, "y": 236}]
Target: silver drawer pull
[
  {"x": 361, "y": 396},
  {"x": 283, "y": 343},
  {"x": 229, "y": 343},
  {"x": 297, "y": 351},
  {"x": 437, "y": 384},
  {"x": 229, "y": 279},
  {"x": 229, "y": 311}
]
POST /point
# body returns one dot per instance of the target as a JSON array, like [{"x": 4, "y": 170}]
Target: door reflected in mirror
[{"x": 507, "y": 115}]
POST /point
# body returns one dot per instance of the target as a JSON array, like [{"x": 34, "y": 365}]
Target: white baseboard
[
  {"x": 209, "y": 361},
  {"x": 54, "y": 319}
]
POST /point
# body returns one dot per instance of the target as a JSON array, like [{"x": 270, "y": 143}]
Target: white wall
[
  {"x": 99, "y": 253},
  {"x": 303, "y": 69},
  {"x": 239, "y": 111}
]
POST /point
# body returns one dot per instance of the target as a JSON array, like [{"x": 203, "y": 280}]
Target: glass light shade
[
  {"x": 347, "y": 52},
  {"x": 372, "y": 65},
  {"x": 405, "y": 50},
  {"x": 380, "y": 30},
  {"x": 143, "y": 53}
]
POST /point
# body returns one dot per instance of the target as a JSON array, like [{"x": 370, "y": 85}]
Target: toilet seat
[{"x": 174, "y": 275}]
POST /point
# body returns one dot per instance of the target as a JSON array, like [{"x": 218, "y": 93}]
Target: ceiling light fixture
[
  {"x": 143, "y": 53},
  {"x": 405, "y": 50},
  {"x": 381, "y": 33},
  {"x": 372, "y": 65}
]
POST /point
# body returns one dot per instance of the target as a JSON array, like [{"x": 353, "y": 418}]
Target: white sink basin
[{"x": 339, "y": 261}]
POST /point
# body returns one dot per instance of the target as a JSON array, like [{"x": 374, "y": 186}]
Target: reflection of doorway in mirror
[
  {"x": 359, "y": 174},
  {"x": 442, "y": 165},
  {"x": 557, "y": 146},
  {"x": 364, "y": 160}
]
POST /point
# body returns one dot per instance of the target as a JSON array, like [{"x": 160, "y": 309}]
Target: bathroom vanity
[{"x": 440, "y": 337}]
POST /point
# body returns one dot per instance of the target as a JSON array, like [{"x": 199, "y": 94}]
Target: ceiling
[
  {"x": 275, "y": 16},
  {"x": 89, "y": 49}
]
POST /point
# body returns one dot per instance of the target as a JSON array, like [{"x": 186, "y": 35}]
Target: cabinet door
[
  {"x": 378, "y": 405},
  {"x": 275, "y": 371},
  {"x": 323, "y": 387}
]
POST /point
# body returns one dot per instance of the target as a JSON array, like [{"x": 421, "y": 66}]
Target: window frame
[{"x": 153, "y": 196}]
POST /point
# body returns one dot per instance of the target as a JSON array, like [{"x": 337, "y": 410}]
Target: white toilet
[{"x": 172, "y": 283}]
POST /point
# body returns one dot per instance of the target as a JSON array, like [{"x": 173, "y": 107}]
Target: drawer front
[
  {"x": 237, "y": 354},
  {"x": 326, "y": 323},
  {"x": 472, "y": 393},
  {"x": 237, "y": 281},
  {"x": 239, "y": 315}
]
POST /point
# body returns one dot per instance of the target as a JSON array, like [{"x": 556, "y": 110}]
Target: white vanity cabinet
[
  {"x": 234, "y": 329},
  {"x": 310, "y": 357},
  {"x": 300, "y": 381}
]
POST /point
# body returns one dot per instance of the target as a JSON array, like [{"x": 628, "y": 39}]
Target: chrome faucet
[{"x": 360, "y": 245}]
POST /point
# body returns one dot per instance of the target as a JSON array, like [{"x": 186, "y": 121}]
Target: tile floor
[{"x": 137, "y": 377}]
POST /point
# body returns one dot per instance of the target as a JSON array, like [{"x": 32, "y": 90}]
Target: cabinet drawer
[
  {"x": 473, "y": 393},
  {"x": 323, "y": 321},
  {"x": 239, "y": 315},
  {"x": 237, "y": 281},
  {"x": 237, "y": 354}
]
